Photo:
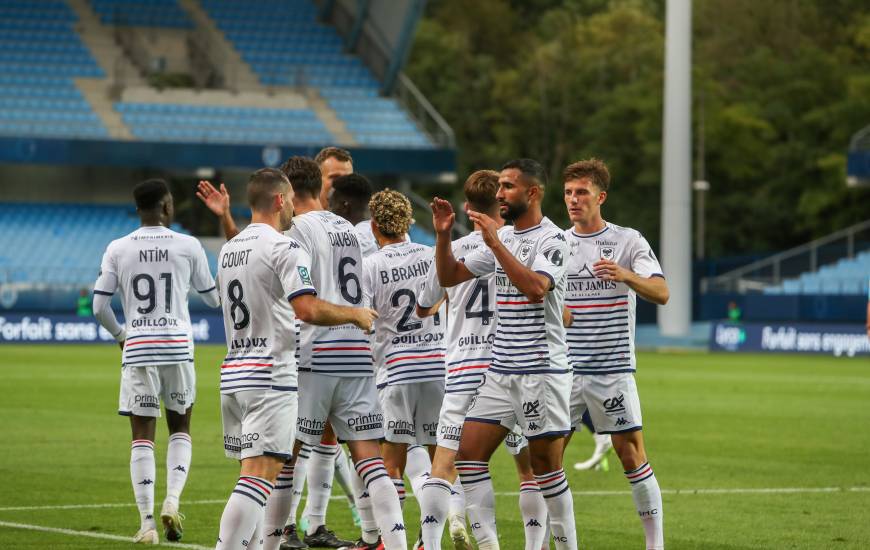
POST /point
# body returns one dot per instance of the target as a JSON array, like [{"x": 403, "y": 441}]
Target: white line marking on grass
[
  {"x": 93, "y": 535},
  {"x": 735, "y": 491}
]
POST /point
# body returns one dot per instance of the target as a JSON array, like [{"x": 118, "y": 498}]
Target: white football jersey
[
  {"x": 601, "y": 337},
  {"x": 154, "y": 267},
  {"x": 333, "y": 245},
  {"x": 471, "y": 320},
  {"x": 367, "y": 242},
  {"x": 259, "y": 272},
  {"x": 406, "y": 348},
  {"x": 530, "y": 336}
]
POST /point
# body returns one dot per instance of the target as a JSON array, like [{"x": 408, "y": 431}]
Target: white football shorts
[
  {"x": 453, "y": 411},
  {"x": 349, "y": 404},
  {"x": 611, "y": 399},
  {"x": 142, "y": 388},
  {"x": 411, "y": 412},
  {"x": 259, "y": 422}
]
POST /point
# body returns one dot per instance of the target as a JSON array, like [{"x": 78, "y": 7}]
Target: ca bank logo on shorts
[
  {"x": 237, "y": 443},
  {"x": 532, "y": 409},
  {"x": 373, "y": 421},
  {"x": 614, "y": 405},
  {"x": 401, "y": 427},
  {"x": 309, "y": 426},
  {"x": 147, "y": 401}
]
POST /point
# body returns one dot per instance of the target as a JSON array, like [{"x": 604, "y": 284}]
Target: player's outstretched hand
[
  {"x": 488, "y": 227},
  {"x": 365, "y": 317},
  {"x": 442, "y": 215},
  {"x": 216, "y": 201},
  {"x": 610, "y": 271}
]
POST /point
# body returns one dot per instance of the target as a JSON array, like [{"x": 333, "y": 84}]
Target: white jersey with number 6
[
  {"x": 155, "y": 267},
  {"x": 471, "y": 320},
  {"x": 407, "y": 349},
  {"x": 336, "y": 269},
  {"x": 259, "y": 272}
]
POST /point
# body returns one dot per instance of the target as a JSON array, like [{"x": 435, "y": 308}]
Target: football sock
[
  {"x": 143, "y": 470},
  {"x": 417, "y": 467},
  {"x": 400, "y": 490},
  {"x": 243, "y": 512},
  {"x": 299, "y": 470},
  {"x": 457, "y": 500},
  {"x": 177, "y": 465},
  {"x": 434, "y": 499},
  {"x": 368, "y": 525},
  {"x": 480, "y": 502},
  {"x": 560, "y": 507},
  {"x": 534, "y": 512},
  {"x": 343, "y": 474},
  {"x": 321, "y": 468},
  {"x": 277, "y": 508},
  {"x": 648, "y": 500},
  {"x": 385, "y": 502}
]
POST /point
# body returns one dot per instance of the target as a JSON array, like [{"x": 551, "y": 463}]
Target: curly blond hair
[{"x": 392, "y": 212}]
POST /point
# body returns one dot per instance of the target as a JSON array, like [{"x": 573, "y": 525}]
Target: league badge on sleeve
[{"x": 304, "y": 275}]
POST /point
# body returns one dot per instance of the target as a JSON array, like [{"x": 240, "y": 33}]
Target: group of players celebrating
[{"x": 339, "y": 329}]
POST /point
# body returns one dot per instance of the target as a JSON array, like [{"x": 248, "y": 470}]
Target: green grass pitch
[{"x": 751, "y": 451}]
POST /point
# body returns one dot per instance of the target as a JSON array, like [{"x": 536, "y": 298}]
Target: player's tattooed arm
[
  {"x": 451, "y": 272},
  {"x": 311, "y": 309},
  {"x": 219, "y": 203},
  {"x": 652, "y": 289}
]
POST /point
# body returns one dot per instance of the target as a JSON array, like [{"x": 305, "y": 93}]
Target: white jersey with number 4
[
  {"x": 259, "y": 272},
  {"x": 530, "y": 336},
  {"x": 471, "y": 320},
  {"x": 336, "y": 269},
  {"x": 407, "y": 349},
  {"x": 601, "y": 336},
  {"x": 154, "y": 267}
]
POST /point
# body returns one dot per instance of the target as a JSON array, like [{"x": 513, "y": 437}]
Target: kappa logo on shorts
[
  {"x": 621, "y": 421},
  {"x": 373, "y": 421},
  {"x": 533, "y": 427},
  {"x": 531, "y": 408},
  {"x": 614, "y": 405}
]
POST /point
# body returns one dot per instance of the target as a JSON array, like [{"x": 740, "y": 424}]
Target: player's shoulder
[
  {"x": 468, "y": 243},
  {"x": 624, "y": 233},
  {"x": 551, "y": 231}
]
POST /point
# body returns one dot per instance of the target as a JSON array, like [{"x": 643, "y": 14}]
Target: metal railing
[
  {"x": 771, "y": 271},
  {"x": 427, "y": 117}
]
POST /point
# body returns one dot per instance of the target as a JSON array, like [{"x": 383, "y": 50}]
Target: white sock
[
  {"x": 546, "y": 544},
  {"x": 343, "y": 474},
  {"x": 321, "y": 468},
  {"x": 299, "y": 470},
  {"x": 648, "y": 500},
  {"x": 417, "y": 467},
  {"x": 560, "y": 507},
  {"x": 143, "y": 470},
  {"x": 177, "y": 465},
  {"x": 457, "y": 500},
  {"x": 277, "y": 508},
  {"x": 399, "y": 484},
  {"x": 243, "y": 512},
  {"x": 480, "y": 502},
  {"x": 434, "y": 499},
  {"x": 385, "y": 502},
  {"x": 534, "y": 512},
  {"x": 368, "y": 525}
]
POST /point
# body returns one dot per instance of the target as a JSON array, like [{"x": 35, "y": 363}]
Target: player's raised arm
[
  {"x": 451, "y": 272},
  {"x": 313, "y": 310},
  {"x": 202, "y": 280},
  {"x": 219, "y": 203},
  {"x": 431, "y": 295}
]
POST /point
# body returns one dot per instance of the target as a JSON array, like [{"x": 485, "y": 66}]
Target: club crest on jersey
[
  {"x": 607, "y": 252},
  {"x": 304, "y": 275},
  {"x": 524, "y": 252}
]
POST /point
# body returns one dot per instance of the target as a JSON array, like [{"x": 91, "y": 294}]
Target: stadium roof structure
[{"x": 858, "y": 163}]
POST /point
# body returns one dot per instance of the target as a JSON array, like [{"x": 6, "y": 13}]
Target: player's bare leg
[
  {"x": 178, "y": 454},
  {"x": 479, "y": 441},
  {"x": 395, "y": 458},
  {"x": 644, "y": 486},
  {"x": 243, "y": 515},
  {"x": 143, "y": 472}
]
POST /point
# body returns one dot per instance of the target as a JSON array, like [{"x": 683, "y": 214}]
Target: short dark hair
[
  {"x": 480, "y": 189},
  {"x": 341, "y": 155},
  {"x": 149, "y": 193},
  {"x": 263, "y": 185},
  {"x": 355, "y": 188},
  {"x": 532, "y": 171},
  {"x": 594, "y": 169},
  {"x": 304, "y": 176}
]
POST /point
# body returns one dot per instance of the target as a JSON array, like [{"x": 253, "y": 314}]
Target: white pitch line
[
  {"x": 678, "y": 492},
  {"x": 94, "y": 535}
]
